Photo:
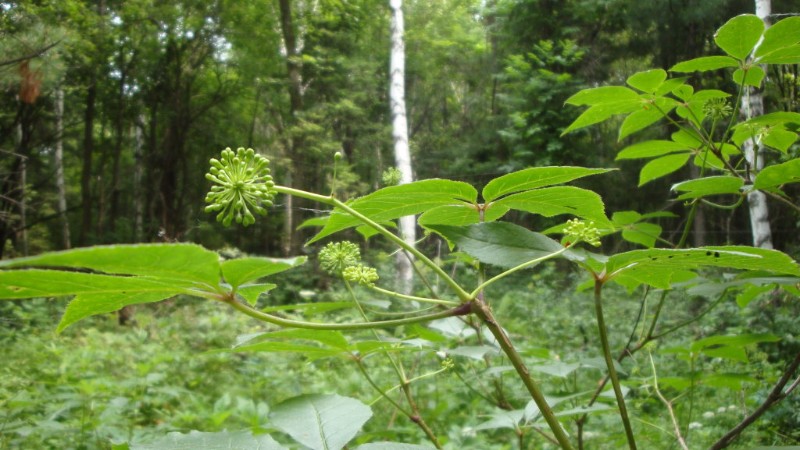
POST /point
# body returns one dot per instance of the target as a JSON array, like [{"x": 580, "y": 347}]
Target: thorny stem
[
  {"x": 482, "y": 310},
  {"x": 612, "y": 371}
]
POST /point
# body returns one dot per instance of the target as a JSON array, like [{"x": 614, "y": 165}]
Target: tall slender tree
[
  {"x": 752, "y": 106},
  {"x": 402, "y": 154}
]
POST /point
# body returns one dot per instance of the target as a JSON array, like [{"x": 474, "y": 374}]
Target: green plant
[{"x": 104, "y": 279}]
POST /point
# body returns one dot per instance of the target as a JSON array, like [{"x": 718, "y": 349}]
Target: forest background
[{"x": 128, "y": 100}]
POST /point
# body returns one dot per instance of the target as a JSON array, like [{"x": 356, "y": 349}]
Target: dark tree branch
[
  {"x": 35, "y": 54},
  {"x": 776, "y": 395}
]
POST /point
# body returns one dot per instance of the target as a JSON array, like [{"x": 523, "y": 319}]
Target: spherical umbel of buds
[
  {"x": 578, "y": 230},
  {"x": 242, "y": 185},
  {"x": 335, "y": 257}
]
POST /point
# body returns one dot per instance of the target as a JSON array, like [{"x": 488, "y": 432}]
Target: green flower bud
[
  {"x": 335, "y": 257},
  {"x": 578, "y": 230},
  {"x": 361, "y": 274},
  {"x": 242, "y": 181}
]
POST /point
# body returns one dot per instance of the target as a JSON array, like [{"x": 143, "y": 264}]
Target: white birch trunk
[
  {"x": 753, "y": 106},
  {"x": 402, "y": 155},
  {"x": 59, "y": 163}
]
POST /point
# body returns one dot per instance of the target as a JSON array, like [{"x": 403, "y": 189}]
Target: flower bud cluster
[
  {"x": 361, "y": 274},
  {"x": 343, "y": 259},
  {"x": 243, "y": 185},
  {"x": 578, "y": 230}
]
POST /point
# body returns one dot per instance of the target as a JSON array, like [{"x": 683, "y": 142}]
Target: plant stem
[
  {"x": 289, "y": 323},
  {"x": 612, "y": 371},
  {"x": 668, "y": 404},
  {"x": 482, "y": 310},
  {"x": 412, "y": 297}
]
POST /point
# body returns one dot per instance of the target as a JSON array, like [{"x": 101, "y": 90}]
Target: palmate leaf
[
  {"x": 321, "y": 422},
  {"x": 397, "y": 201},
  {"x": 661, "y": 267}
]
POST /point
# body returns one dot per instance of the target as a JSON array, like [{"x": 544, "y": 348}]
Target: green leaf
[
  {"x": 180, "y": 261},
  {"x": 659, "y": 267},
  {"x": 35, "y": 283},
  {"x": 647, "y": 81},
  {"x": 648, "y": 115},
  {"x": 533, "y": 178},
  {"x": 460, "y": 215},
  {"x": 705, "y": 63},
  {"x": 221, "y": 440},
  {"x": 559, "y": 200},
  {"x": 788, "y": 55},
  {"x": 649, "y": 149},
  {"x": 397, "y": 201},
  {"x": 739, "y": 340},
  {"x": 739, "y": 36},
  {"x": 672, "y": 85},
  {"x": 785, "y": 33},
  {"x": 662, "y": 166},
  {"x": 251, "y": 292},
  {"x": 321, "y": 422},
  {"x": 499, "y": 243},
  {"x": 603, "y": 111},
  {"x": 774, "y": 176},
  {"x": 328, "y": 338},
  {"x": 733, "y": 381},
  {"x": 90, "y": 304},
  {"x": 779, "y": 139},
  {"x": 243, "y": 270},
  {"x": 603, "y": 94},
  {"x": 703, "y": 187},
  {"x": 755, "y": 75},
  {"x": 644, "y": 234},
  {"x": 391, "y": 446},
  {"x": 622, "y": 218}
]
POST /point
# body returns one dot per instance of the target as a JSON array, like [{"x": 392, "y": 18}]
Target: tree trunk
[
  {"x": 753, "y": 106},
  {"x": 59, "y": 163},
  {"x": 402, "y": 155},
  {"x": 295, "y": 177},
  {"x": 88, "y": 152},
  {"x": 138, "y": 170}
]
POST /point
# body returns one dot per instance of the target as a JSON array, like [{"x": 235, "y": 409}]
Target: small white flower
[
  {"x": 721, "y": 409},
  {"x": 732, "y": 407},
  {"x": 695, "y": 425},
  {"x": 468, "y": 432},
  {"x": 708, "y": 414}
]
